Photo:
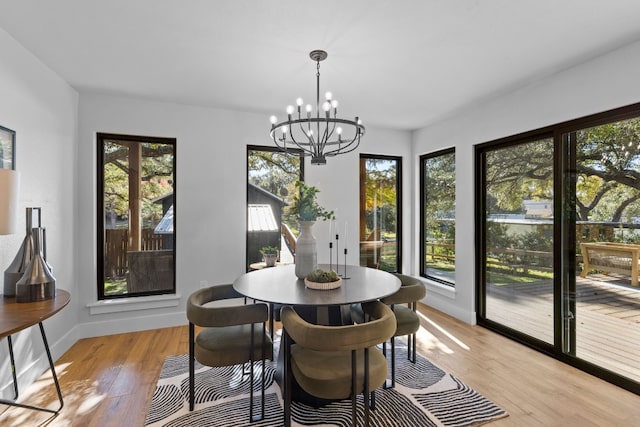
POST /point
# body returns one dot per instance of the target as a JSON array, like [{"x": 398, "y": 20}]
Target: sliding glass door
[
  {"x": 606, "y": 298},
  {"x": 518, "y": 229},
  {"x": 558, "y": 233}
]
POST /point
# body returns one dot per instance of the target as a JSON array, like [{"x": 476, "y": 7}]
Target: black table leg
[{"x": 53, "y": 373}]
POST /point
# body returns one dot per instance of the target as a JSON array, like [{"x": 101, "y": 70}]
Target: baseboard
[{"x": 120, "y": 326}]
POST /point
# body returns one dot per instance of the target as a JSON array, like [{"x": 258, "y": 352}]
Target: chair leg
[
  {"x": 354, "y": 385},
  {"x": 365, "y": 390},
  {"x": 264, "y": 355},
  {"x": 286, "y": 390},
  {"x": 251, "y": 374},
  {"x": 391, "y": 384},
  {"x": 191, "y": 366},
  {"x": 413, "y": 347}
]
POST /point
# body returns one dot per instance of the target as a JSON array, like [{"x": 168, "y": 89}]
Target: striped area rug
[{"x": 424, "y": 395}]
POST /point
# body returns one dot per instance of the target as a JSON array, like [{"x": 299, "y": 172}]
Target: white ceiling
[{"x": 400, "y": 64}]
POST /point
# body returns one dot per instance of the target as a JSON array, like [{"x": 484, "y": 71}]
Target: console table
[{"x": 15, "y": 317}]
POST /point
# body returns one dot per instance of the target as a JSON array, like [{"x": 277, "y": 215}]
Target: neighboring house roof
[
  {"x": 261, "y": 218},
  {"x": 165, "y": 226},
  {"x": 260, "y": 190}
]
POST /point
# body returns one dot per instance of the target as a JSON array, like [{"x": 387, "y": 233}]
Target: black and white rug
[{"x": 424, "y": 395}]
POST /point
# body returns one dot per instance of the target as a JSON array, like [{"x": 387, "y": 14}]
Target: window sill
[
  {"x": 439, "y": 288},
  {"x": 133, "y": 304}
]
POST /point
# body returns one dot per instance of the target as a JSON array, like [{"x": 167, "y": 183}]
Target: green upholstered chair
[
  {"x": 336, "y": 362},
  {"x": 230, "y": 335},
  {"x": 403, "y": 303}
]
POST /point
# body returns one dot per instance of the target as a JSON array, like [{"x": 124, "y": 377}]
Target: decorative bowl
[{"x": 323, "y": 286}]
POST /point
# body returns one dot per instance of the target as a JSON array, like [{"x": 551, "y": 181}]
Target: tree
[{"x": 156, "y": 178}]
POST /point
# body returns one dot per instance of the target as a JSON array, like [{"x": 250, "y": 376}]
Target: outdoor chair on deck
[
  {"x": 230, "y": 335},
  {"x": 336, "y": 362}
]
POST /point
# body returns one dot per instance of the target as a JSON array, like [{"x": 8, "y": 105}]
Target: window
[
  {"x": 136, "y": 210},
  {"x": 380, "y": 212},
  {"x": 271, "y": 178},
  {"x": 438, "y": 213}
]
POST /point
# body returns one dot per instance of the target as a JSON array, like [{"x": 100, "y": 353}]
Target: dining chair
[
  {"x": 336, "y": 362},
  {"x": 403, "y": 303},
  {"x": 229, "y": 335}
]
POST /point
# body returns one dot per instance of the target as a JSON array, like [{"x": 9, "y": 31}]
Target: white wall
[
  {"x": 607, "y": 82},
  {"x": 42, "y": 109},
  {"x": 211, "y": 195}
]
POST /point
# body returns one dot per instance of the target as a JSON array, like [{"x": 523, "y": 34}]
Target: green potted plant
[
  {"x": 307, "y": 211},
  {"x": 270, "y": 255},
  {"x": 306, "y": 207}
]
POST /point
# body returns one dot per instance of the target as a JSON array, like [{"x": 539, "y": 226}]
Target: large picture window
[
  {"x": 438, "y": 213},
  {"x": 380, "y": 212},
  {"x": 136, "y": 211}
]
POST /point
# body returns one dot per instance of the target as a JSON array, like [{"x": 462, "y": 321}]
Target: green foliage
[
  {"x": 322, "y": 276},
  {"x": 156, "y": 179},
  {"x": 305, "y": 206},
  {"x": 272, "y": 250}
]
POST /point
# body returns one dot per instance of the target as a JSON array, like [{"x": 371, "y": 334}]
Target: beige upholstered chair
[
  {"x": 230, "y": 335},
  {"x": 403, "y": 303},
  {"x": 336, "y": 362}
]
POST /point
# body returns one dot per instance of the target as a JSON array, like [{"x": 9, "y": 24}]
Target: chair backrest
[
  {"x": 200, "y": 314},
  {"x": 381, "y": 327},
  {"x": 411, "y": 290}
]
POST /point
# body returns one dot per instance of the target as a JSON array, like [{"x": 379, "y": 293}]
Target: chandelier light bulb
[
  {"x": 309, "y": 108},
  {"x": 299, "y": 102},
  {"x": 284, "y": 130},
  {"x": 273, "y": 120},
  {"x": 334, "y": 104},
  {"x": 289, "y": 109},
  {"x": 339, "y": 130},
  {"x": 328, "y": 96},
  {"x": 326, "y": 106}
]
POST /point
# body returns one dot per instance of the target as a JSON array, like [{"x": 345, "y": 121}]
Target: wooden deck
[{"x": 607, "y": 318}]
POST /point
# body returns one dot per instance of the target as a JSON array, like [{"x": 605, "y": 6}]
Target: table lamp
[{"x": 9, "y": 185}]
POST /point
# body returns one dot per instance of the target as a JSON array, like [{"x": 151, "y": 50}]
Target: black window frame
[
  {"x": 423, "y": 222},
  {"x": 272, "y": 149},
  {"x": 100, "y": 243},
  {"x": 399, "y": 190}
]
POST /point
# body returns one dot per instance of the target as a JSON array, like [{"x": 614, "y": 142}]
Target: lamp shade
[{"x": 9, "y": 183}]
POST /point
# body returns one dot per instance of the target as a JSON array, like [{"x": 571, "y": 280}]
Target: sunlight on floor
[
  {"x": 80, "y": 397},
  {"x": 430, "y": 341}
]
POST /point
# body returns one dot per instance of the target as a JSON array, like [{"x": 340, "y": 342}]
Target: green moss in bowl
[{"x": 322, "y": 276}]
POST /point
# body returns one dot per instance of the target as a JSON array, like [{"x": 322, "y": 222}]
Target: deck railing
[{"x": 117, "y": 245}]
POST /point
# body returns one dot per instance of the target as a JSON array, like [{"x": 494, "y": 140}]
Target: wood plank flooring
[{"x": 109, "y": 381}]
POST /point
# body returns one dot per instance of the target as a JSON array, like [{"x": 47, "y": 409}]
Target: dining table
[{"x": 279, "y": 286}]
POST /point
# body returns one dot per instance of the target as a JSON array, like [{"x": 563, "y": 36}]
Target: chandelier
[{"x": 318, "y": 135}]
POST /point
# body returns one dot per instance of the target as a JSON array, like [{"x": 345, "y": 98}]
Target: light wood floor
[{"x": 109, "y": 381}]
